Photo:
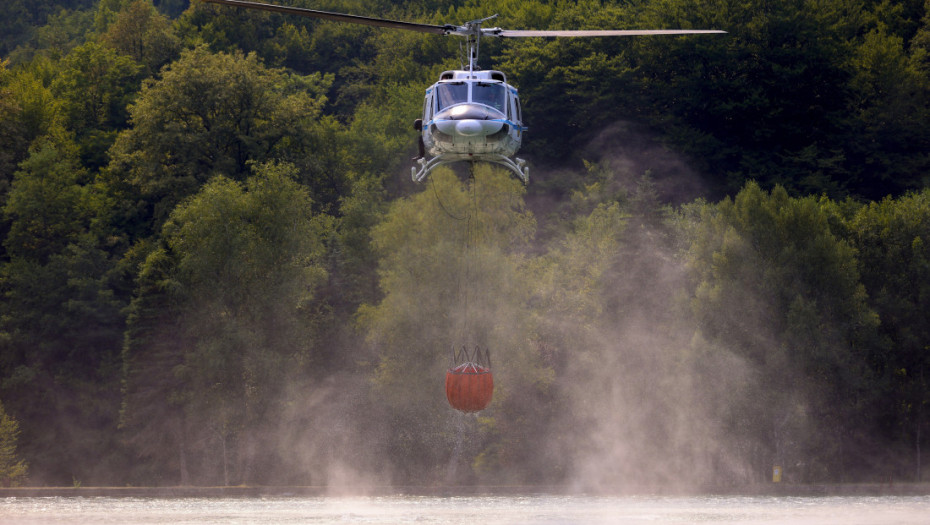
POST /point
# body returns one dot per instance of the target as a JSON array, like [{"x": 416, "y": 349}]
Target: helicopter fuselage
[{"x": 471, "y": 116}]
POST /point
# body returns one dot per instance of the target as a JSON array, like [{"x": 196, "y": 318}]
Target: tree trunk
[
  {"x": 225, "y": 462},
  {"x": 917, "y": 443},
  {"x": 182, "y": 458},
  {"x": 920, "y": 410}
]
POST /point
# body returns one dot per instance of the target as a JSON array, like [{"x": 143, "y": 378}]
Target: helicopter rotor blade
[
  {"x": 470, "y": 29},
  {"x": 509, "y": 33},
  {"x": 339, "y": 17}
]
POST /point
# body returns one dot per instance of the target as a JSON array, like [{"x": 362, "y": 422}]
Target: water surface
[{"x": 471, "y": 510}]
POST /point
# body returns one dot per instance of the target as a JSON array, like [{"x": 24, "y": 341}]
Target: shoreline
[{"x": 761, "y": 490}]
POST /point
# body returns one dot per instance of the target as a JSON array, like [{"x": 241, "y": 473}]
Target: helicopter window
[
  {"x": 451, "y": 93},
  {"x": 490, "y": 95}
]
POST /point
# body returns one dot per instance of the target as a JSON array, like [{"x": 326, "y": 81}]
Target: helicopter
[{"x": 468, "y": 114}]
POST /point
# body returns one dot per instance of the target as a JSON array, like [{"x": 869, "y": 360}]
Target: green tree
[
  {"x": 224, "y": 318},
  {"x": 95, "y": 87},
  {"x": 14, "y": 27},
  {"x": 891, "y": 237},
  {"x": 143, "y": 34},
  {"x": 212, "y": 114},
  {"x": 11, "y": 131},
  {"x": 12, "y": 469},
  {"x": 64, "y": 31},
  {"x": 449, "y": 260},
  {"x": 612, "y": 325},
  {"x": 888, "y": 103},
  {"x": 172, "y": 8},
  {"x": 774, "y": 285},
  {"x": 46, "y": 203},
  {"x": 60, "y": 319},
  {"x": 766, "y": 101},
  {"x": 34, "y": 111},
  {"x": 229, "y": 30},
  {"x": 571, "y": 88},
  {"x": 570, "y": 309},
  {"x": 21, "y": 17}
]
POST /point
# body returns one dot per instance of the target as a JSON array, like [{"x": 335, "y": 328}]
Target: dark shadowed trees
[
  {"x": 61, "y": 321},
  {"x": 893, "y": 242},
  {"x": 12, "y": 469}
]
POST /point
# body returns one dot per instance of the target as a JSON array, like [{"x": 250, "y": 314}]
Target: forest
[{"x": 215, "y": 269}]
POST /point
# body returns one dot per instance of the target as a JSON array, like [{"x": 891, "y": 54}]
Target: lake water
[{"x": 471, "y": 510}]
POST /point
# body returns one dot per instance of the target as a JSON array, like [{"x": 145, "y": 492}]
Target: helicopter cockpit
[
  {"x": 450, "y": 94},
  {"x": 492, "y": 95},
  {"x": 489, "y": 94}
]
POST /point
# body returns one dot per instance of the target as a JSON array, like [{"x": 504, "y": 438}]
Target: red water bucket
[{"x": 469, "y": 387}]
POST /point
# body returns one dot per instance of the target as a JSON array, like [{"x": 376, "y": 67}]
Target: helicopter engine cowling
[
  {"x": 469, "y": 120},
  {"x": 468, "y": 128}
]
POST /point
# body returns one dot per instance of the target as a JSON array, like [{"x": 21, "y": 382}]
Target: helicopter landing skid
[{"x": 516, "y": 165}]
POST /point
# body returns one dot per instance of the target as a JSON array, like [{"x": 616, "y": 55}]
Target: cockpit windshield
[
  {"x": 451, "y": 94},
  {"x": 490, "y": 95}
]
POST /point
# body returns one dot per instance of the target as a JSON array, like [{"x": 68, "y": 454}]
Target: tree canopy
[{"x": 213, "y": 270}]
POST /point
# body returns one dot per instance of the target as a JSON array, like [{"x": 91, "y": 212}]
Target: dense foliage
[
  {"x": 213, "y": 270},
  {"x": 12, "y": 469}
]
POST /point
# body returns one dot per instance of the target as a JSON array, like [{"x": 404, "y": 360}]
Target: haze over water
[{"x": 885, "y": 510}]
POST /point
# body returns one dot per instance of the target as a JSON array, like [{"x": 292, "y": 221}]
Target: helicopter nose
[{"x": 468, "y": 128}]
